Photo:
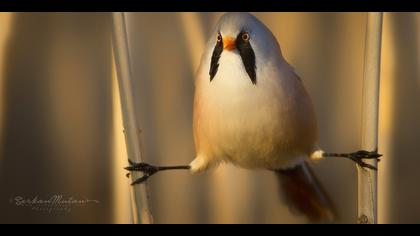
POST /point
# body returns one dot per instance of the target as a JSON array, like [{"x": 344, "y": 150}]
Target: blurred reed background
[{"x": 61, "y": 129}]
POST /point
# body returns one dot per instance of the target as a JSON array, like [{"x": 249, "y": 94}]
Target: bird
[{"x": 252, "y": 110}]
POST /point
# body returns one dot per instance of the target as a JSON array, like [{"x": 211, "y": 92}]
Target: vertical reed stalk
[
  {"x": 367, "y": 179},
  {"x": 139, "y": 195}
]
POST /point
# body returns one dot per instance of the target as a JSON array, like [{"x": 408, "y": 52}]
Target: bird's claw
[
  {"x": 148, "y": 170},
  {"x": 363, "y": 154}
]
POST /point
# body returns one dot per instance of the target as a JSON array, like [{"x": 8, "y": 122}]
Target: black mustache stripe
[
  {"x": 248, "y": 57},
  {"x": 214, "y": 65}
]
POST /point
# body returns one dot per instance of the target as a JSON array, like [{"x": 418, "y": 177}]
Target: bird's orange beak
[{"x": 228, "y": 43}]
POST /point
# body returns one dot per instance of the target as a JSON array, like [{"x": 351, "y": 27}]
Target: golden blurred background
[{"x": 61, "y": 131}]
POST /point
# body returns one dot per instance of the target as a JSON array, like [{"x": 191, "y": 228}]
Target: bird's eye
[
  {"x": 245, "y": 36},
  {"x": 219, "y": 37}
]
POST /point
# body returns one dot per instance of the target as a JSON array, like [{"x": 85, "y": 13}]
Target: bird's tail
[{"x": 305, "y": 195}]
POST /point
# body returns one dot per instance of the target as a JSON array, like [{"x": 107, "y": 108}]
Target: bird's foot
[
  {"x": 363, "y": 154},
  {"x": 147, "y": 169}
]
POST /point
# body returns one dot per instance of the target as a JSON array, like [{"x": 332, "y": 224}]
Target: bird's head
[{"x": 244, "y": 35}]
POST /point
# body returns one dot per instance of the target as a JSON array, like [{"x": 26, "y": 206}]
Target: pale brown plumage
[{"x": 269, "y": 123}]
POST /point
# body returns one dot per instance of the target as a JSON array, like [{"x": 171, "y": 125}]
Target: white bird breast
[{"x": 239, "y": 122}]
